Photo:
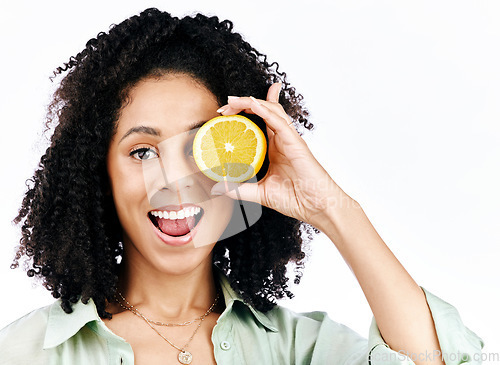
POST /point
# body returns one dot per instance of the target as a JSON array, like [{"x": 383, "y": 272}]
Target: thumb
[
  {"x": 273, "y": 94},
  {"x": 245, "y": 191}
]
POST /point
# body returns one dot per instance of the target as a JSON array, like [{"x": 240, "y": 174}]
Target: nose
[{"x": 178, "y": 173}]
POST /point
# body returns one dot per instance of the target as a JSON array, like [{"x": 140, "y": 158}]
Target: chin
[{"x": 188, "y": 263}]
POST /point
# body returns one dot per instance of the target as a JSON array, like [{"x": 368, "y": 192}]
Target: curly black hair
[{"x": 71, "y": 236}]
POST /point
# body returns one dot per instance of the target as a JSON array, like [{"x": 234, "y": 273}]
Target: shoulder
[
  {"x": 316, "y": 336},
  {"x": 313, "y": 337},
  {"x": 21, "y": 342},
  {"x": 303, "y": 322},
  {"x": 30, "y": 325}
]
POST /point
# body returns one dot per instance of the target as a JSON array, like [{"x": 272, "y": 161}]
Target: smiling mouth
[{"x": 176, "y": 223}]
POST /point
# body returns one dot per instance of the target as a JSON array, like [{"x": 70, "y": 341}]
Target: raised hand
[{"x": 296, "y": 184}]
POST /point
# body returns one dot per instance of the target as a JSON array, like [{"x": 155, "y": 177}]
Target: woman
[{"x": 134, "y": 287}]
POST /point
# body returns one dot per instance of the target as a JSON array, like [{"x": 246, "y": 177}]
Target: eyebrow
[
  {"x": 155, "y": 132},
  {"x": 141, "y": 129},
  {"x": 196, "y": 125}
]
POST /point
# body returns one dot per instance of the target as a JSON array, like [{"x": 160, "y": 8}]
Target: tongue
[{"x": 176, "y": 227}]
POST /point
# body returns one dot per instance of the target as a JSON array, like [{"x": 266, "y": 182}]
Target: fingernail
[
  {"x": 222, "y": 109},
  {"x": 255, "y": 100},
  {"x": 232, "y": 97}
]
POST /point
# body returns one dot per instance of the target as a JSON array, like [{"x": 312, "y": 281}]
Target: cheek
[
  {"x": 223, "y": 208},
  {"x": 127, "y": 182}
]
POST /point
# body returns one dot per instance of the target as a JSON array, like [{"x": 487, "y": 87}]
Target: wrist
[
  {"x": 335, "y": 209},
  {"x": 341, "y": 215}
]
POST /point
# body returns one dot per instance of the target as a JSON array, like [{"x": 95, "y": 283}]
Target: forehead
[{"x": 169, "y": 104}]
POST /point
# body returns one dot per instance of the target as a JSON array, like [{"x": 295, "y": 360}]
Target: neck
[{"x": 169, "y": 296}]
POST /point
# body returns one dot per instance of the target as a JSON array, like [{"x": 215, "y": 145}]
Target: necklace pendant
[{"x": 185, "y": 357}]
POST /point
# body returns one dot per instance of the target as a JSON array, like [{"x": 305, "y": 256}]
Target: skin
[
  {"x": 298, "y": 186},
  {"x": 295, "y": 185},
  {"x": 167, "y": 283}
]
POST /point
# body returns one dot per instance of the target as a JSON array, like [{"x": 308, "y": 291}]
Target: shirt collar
[
  {"x": 62, "y": 326},
  {"x": 230, "y": 296}
]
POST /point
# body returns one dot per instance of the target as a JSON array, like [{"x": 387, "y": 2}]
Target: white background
[{"x": 406, "y": 99}]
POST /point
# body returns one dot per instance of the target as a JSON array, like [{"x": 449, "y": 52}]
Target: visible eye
[{"x": 144, "y": 153}]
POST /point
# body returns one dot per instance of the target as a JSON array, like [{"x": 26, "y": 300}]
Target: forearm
[{"x": 397, "y": 302}]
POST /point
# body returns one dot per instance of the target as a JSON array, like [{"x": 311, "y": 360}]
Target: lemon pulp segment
[{"x": 229, "y": 148}]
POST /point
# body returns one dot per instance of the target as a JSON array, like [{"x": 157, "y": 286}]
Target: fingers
[
  {"x": 273, "y": 114},
  {"x": 237, "y": 104},
  {"x": 234, "y": 107},
  {"x": 245, "y": 191},
  {"x": 270, "y": 110}
]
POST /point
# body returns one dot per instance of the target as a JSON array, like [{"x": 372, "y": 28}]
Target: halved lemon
[{"x": 229, "y": 148}]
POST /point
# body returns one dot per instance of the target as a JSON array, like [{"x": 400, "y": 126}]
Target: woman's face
[{"x": 170, "y": 222}]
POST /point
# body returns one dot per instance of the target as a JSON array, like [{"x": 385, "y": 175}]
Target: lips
[
  {"x": 176, "y": 221},
  {"x": 176, "y": 207}
]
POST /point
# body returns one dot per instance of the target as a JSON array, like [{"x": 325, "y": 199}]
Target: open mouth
[{"x": 178, "y": 222}]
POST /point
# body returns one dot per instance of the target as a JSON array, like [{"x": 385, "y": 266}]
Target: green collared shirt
[{"x": 242, "y": 335}]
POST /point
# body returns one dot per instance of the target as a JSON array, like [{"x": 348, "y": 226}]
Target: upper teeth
[{"x": 176, "y": 214}]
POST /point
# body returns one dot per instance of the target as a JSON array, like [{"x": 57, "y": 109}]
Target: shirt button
[{"x": 225, "y": 345}]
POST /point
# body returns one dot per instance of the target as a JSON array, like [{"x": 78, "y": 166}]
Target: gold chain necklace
[
  {"x": 158, "y": 323},
  {"x": 184, "y": 357}
]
